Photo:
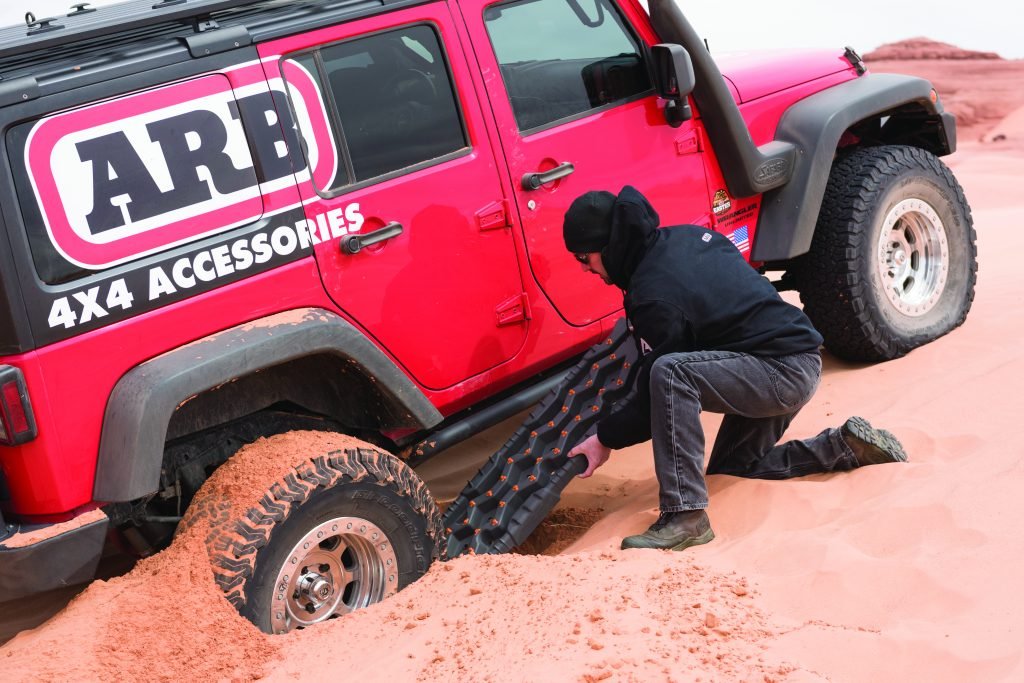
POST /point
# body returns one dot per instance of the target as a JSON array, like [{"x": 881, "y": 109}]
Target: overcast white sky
[{"x": 993, "y": 25}]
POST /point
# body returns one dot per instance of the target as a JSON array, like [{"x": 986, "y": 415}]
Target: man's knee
[{"x": 669, "y": 376}]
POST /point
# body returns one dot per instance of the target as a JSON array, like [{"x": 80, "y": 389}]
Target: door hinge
[
  {"x": 512, "y": 310},
  {"x": 494, "y": 216},
  {"x": 689, "y": 143}
]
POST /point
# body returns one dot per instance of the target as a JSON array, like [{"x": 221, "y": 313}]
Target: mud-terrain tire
[
  {"x": 334, "y": 531},
  {"x": 893, "y": 262}
]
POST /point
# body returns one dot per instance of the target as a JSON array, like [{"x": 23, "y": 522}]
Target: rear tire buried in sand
[
  {"x": 893, "y": 262},
  {"x": 306, "y": 526}
]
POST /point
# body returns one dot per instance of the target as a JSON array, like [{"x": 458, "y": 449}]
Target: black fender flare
[
  {"x": 815, "y": 125},
  {"x": 144, "y": 399}
]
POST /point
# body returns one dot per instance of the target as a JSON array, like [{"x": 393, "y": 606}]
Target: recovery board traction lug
[{"x": 519, "y": 485}]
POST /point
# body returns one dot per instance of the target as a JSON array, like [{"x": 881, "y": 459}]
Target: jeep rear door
[
  {"x": 394, "y": 137},
  {"x": 568, "y": 84}
]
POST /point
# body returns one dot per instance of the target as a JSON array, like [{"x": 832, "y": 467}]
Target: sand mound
[
  {"x": 925, "y": 48},
  {"x": 643, "y": 615},
  {"x": 1009, "y": 130},
  {"x": 636, "y": 616},
  {"x": 639, "y": 616},
  {"x": 164, "y": 621}
]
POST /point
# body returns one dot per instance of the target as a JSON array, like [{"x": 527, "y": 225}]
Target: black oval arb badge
[{"x": 770, "y": 171}]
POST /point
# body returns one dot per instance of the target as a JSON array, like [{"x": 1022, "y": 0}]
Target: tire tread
[
  {"x": 233, "y": 544},
  {"x": 832, "y": 289}
]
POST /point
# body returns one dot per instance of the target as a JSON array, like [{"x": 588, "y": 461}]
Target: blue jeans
[{"x": 759, "y": 396}]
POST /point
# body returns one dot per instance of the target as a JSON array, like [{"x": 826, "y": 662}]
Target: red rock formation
[{"x": 925, "y": 48}]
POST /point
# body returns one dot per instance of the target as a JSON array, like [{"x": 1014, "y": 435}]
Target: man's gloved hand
[{"x": 596, "y": 453}]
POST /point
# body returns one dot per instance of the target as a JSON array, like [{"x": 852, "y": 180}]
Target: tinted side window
[
  {"x": 560, "y": 58},
  {"x": 392, "y": 102}
]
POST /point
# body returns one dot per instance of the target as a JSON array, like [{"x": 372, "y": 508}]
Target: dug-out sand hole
[{"x": 560, "y": 530}]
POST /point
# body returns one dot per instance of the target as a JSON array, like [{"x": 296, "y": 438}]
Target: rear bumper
[{"x": 41, "y": 557}]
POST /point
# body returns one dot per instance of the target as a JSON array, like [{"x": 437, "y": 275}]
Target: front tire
[
  {"x": 326, "y": 525},
  {"x": 893, "y": 263}
]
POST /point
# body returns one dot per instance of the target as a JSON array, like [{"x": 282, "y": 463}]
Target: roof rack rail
[{"x": 83, "y": 22}]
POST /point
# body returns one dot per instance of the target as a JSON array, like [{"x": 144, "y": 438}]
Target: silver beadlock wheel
[
  {"x": 341, "y": 565},
  {"x": 913, "y": 257}
]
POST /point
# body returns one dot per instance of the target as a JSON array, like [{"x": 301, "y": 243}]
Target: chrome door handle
[
  {"x": 534, "y": 181},
  {"x": 353, "y": 244}
]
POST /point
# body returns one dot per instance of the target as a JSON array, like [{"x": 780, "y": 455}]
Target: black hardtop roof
[{"x": 81, "y": 33}]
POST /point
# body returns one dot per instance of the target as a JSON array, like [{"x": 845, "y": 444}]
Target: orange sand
[{"x": 894, "y": 572}]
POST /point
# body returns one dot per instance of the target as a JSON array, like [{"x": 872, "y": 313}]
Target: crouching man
[{"x": 715, "y": 336}]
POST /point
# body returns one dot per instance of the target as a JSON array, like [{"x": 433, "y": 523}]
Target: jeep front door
[
  {"x": 569, "y": 86},
  {"x": 403, "y": 180}
]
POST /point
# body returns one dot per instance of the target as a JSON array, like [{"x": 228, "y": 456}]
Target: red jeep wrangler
[{"x": 223, "y": 220}]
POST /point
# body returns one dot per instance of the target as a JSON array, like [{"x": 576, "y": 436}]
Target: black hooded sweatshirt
[{"x": 688, "y": 289}]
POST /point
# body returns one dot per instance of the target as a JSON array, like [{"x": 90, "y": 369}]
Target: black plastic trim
[
  {"x": 217, "y": 40},
  {"x": 476, "y": 422},
  {"x": 353, "y": 244},
  {"x": 535, "y": 181},
  {"x": 67, "y": 559},
  {"x": 112, "y": 20},
  {"x": 814, "y": 125},
  {"x": 143, "y": 401},
  {"x": 948, "y": 123},
  {"x": 15, "y": 331},
  {"x": 748, "y": 170},
  {"x": 20, "y": 89}
]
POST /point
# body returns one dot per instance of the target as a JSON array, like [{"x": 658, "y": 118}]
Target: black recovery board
[{"x": 519, "y": 485}]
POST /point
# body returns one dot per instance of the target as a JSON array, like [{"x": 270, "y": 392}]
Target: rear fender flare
[{"x": 145, "y": 398}]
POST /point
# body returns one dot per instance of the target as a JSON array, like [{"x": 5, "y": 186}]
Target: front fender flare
[
  {"x": 144, "y": 399},
  {"x": 815, "y": 125}
]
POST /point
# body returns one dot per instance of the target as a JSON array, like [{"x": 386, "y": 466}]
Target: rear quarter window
[{"x": 392, "y": 103}]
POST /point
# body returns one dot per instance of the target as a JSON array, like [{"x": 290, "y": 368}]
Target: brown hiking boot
[
  {"x": 869, "y": 445},
  {"x": 674, "y": 531}
]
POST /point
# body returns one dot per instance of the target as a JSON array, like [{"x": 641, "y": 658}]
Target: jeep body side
[{"x": 235, "y": 219}]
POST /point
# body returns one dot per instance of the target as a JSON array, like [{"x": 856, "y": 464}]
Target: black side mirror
[{"x": 674, "y": 80}]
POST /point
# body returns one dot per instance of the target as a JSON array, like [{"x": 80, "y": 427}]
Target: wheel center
[
  {"x": 315, "y": 588},
  {"x": 900, "y": 257}
]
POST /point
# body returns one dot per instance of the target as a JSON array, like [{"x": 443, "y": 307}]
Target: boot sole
[
  {"x": 705, "y": 537},
  {"x": 879, "y": 438}
]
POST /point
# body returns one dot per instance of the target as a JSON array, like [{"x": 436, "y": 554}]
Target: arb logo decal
[
  {"x": 139, "y": 174},
  {"x": 127, "y": 177}
]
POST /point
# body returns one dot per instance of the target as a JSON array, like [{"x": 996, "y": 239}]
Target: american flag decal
[{"x": 741, "y": 239}]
